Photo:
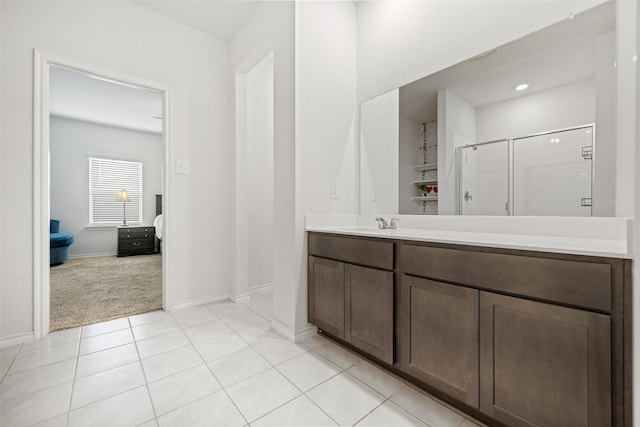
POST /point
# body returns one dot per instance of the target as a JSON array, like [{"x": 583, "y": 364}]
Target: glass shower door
[
  {"x": 552, "y": 173},
  {"x": 484, "y": 179}
]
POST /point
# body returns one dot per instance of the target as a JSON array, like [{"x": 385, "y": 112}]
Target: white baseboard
[
  {"x": 240, "y": 298},
  {"x": 306, "y": 332},
  {"x": 261, "y": 288},
  {"x": 92, "y": 255},
  {"x": 200, "y": 301},
  {"x": 16, "y": 339}
]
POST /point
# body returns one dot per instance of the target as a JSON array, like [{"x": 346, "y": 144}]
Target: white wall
[
  {"x": 326, "y": 123},
  {"x": 128, "y": 38},
  {"x": 379, "y": 151},
  {"x": 456, "y": 127},
  {"x": 270, "y": 29},
  {"x": 72, "y": 143},
  {"x": 604, "y": 184},
  {"x": 558, "y": 108},
  {"x": 259, "y": 93}
]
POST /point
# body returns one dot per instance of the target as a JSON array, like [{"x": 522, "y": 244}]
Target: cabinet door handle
[{"x": 137, "y": 243}]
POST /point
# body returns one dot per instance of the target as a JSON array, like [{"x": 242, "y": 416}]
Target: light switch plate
[
  {"x": 334, "y": 191},
  {"x": 183, "y": 167}
]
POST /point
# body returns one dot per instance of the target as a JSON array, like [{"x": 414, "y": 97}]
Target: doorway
[
  {"x": 254, "y": 184},
  {"x": 97, "y": 238}
]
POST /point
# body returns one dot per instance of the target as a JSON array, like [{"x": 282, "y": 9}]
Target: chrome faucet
[{"x": 384, "y": 225}]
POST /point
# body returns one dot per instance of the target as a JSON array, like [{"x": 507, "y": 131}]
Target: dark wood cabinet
[
  {"x": 353, "y": 302},
  {"x": 136, "y": 240},
  {"x": 517, "y": 338},
  {"x": 326, "y": 295},
  {"x": 439, "y": 336},
  {"x": 544, "y": 365},
  {"x": 368, "y": 299}
]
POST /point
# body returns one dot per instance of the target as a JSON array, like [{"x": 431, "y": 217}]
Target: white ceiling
[
  {"x": 219, "y": 18},
  {"x": 554, "y": 56},
  {"x": 83, "y": 97}
]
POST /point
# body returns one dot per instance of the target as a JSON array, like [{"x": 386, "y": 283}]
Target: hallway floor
[{"x": 213, "y": 365}]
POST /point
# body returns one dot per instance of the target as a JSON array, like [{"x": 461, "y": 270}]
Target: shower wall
[{"x": 543, "y": 175}]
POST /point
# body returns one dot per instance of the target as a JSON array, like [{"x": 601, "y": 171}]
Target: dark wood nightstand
[{"x": 136, "y": 240}]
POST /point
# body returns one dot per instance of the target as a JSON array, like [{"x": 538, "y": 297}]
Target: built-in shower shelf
[
  {"x": 425, "y": 181},
  {"x": 425, "y": 167},
  {"x": 425, "y": 199}
]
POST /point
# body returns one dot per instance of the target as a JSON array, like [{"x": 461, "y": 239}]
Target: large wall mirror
[{"x": 524, "y": 129}]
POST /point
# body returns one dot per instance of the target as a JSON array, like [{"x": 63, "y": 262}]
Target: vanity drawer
[
  {"x": 371, "y": 253},
  {"x": 574, "y": 282}
]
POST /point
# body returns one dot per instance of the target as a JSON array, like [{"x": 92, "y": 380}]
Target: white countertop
[{"x": 610, "y": 240}]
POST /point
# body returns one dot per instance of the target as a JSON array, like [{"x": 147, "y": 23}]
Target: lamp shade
[{"x": 123, "y": 196}]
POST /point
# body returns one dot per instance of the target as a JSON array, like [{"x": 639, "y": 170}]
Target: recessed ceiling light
[
  {"x": 522, "y": 86},
  {"x": 555, "y": 140}
]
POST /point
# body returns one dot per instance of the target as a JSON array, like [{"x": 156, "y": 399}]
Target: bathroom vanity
[{"x": 513, "y": 337}]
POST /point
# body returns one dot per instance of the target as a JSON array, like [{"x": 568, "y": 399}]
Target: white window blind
[{"x": 106, "y": 179}]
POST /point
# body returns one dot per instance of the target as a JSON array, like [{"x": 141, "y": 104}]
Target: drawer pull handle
[{"x": 137, "y": 243}]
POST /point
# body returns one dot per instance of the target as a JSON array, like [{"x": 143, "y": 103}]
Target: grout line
[
  {"x": 144, "y": 374},
  {"x": 13, "y": 359},
  {"x": 216, "y": 378},
  {"x": 73, "y": 378}
]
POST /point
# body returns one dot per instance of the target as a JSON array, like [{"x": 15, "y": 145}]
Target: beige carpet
[{"x": 91, "y": 290}]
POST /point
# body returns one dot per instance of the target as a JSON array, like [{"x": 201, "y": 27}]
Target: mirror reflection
[{"x": 524, "y": 129}]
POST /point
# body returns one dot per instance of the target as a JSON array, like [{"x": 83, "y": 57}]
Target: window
[{"x": 106, "y": 179}]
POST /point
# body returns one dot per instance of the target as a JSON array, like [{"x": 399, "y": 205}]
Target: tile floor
[{"x": 213, "y": 365}]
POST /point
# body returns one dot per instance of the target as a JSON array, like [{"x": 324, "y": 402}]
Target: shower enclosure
[{"x": 548, "y": 174}]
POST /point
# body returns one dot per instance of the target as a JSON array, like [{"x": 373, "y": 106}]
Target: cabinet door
[
  {"x": 439, "y": 336},
  {"x": 326, "y": 295},
  {"x": 544, "y": 365},
  {"x": 369, "y": 310}
]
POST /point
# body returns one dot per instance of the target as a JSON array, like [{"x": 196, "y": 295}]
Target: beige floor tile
[
  {"x": 390, "y": 414},
  {"x": 338, "y": 355},
  {"x": 426, "y": 408},
  {"x": 106, "y": 359},
  {"x": 37, "y": 379},
  {"x": 170, "y": 362},
  {"x": 105, "y": 327},
  {"x": 345, "y": 399},
  {"x": 262, "y": 393},
  {"x": 105, "y": 384},
  {"x": 281, "y": 350},
  {"x": 182, "y": 388},
  {"x": 105, "y": 341},
  {"x": 221, "y": 346},
  {"x": 152, "y": 316},
  {"x": 238, "y": 366},
  {"x": 131, "y": 408},
  {"x": 207, "y": 331},
  {"x": 299, "y": 412},
  {"x": 149, "y": 330},
  {"x": 36, "y": 407},
  {"x": 193, "y": 316},
  {"x": 43, "y": 356},
  {"x": 381, "y": 381},
  {"x": 308, "y": 370},
  {"x": 162, "y": 343},
  {"x": 213, "y": 410}
]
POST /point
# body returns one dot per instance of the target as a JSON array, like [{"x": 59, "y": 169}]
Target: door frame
[{"x": 42, "y": 63}]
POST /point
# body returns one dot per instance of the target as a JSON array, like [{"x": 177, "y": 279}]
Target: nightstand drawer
[
  {"x": 136, "y": 233},
  {"x": 136, "y": 241}
]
